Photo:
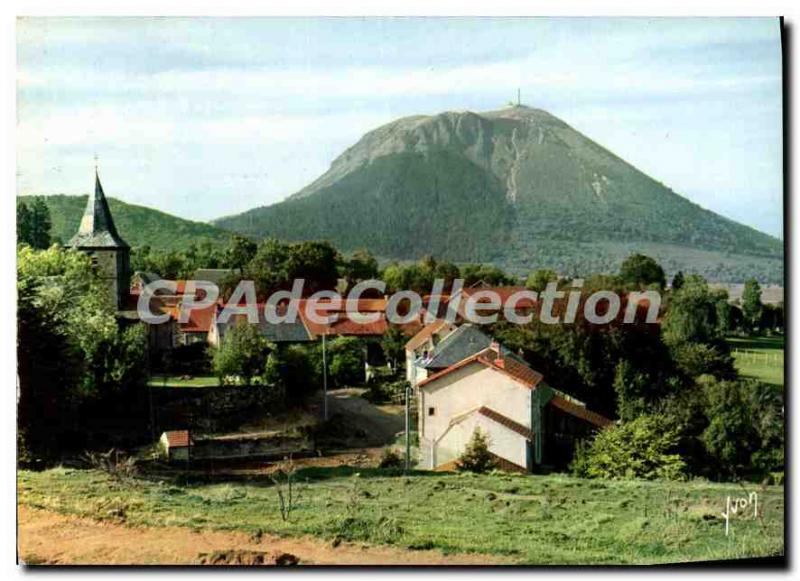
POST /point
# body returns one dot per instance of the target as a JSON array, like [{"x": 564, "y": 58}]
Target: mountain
[
  {"x": 517, "y": 187},
  {"x": 138, "y": 226}
]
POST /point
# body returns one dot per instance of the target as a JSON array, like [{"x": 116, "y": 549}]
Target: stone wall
[
  {"x": 211, "y": 409},
  {"x": 246, "y": 446}
]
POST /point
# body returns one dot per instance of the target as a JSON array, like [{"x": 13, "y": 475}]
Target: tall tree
[
  {"x": 642, "y": 271},
  {"x": 677, "y": 280},
  {"x": 751, "y": 304},
  {"x": 360, "y": 266},
  {"x": 242, "y": 355},
  {"x": 34, "y": 224},
  {"x": 538, "y": 279},
  {"x": 240, "y": 252}
]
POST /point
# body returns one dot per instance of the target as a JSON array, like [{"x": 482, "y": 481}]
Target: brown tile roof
[
  {"x": 506, "y": 422},
  {"x": 504, "y": 293},
  {"x": 580, "y": 411},
  {"x": 199, "y": 320},
  {"x": 515, "y": 369},
  {"x": 425, "y": 333},
  {"x": 178, "y": 439},
  {"x": 489, "y": 358}
]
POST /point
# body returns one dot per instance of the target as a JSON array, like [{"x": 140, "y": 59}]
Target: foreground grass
[
  {"x": 533, "y": 519},
  {"x": 759, "y": 358}
]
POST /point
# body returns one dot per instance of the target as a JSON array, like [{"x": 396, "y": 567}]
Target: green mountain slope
[
  {"x": 517, "y": 187},
  {"x": 138, "y": 225}
]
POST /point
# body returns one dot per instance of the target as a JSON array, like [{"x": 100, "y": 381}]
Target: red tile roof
[
  {"x": 178, "y": 439},
  {"x": 488, "y": 357},
  {"x": 425, "y": 333},
  {"x": 504, "y": 292},
  {"x": 345, "y": 323},
  {"x": 199, "y": 319},
  {"x": 580, "y": 411},
  {"x": 506, "y": 422}
]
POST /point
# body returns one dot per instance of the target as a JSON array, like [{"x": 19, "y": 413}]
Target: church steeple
[
  {"x": 97, "y": 228},
  {"x": 97, "y": 236}
]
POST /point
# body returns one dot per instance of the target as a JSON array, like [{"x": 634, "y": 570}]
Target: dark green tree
[
  {"x": 316, "y": 263},
  {"x": 393, "y": 344},
  {"x": 751, "y": 304},
  {"x": 34, "y": 224},
  {"x": 240, "y": 252},
  {"x": 362, "y": 265},
  {"x": 476, "y": 456},
  {"x": 538, "y": 279},
  {"x": 642, "y": 271},
  {"x": 677, "y": 280},
  {"x": 242, "y": 357}
]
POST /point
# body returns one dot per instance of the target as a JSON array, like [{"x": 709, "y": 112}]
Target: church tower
[{"x": 97, "y": 236}]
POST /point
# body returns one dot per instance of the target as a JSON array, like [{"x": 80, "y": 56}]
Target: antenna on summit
[
  {"x": 519, "y": 100},
  {"x": 95, "y": 163}
]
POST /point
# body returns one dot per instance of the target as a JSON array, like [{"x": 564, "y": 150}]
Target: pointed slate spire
[{"x": 97, "y": 228}]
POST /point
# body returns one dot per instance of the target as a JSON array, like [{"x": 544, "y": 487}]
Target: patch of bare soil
[{"x": 47, "y": 538}]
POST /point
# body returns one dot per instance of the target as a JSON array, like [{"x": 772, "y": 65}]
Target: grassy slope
[
  {"x": 534, "y": 519},
  {"x": 761, "y": 358},
  {"x": 138, "y": 225}
]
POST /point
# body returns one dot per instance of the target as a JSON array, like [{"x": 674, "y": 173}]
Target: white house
[
  {"x": 528, "y": 423},
  {"x": 421, "y": 345}
]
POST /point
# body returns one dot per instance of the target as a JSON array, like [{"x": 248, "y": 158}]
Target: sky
[{"x": 206, "y": 117}]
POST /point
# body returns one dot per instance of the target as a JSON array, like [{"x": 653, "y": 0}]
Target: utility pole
[
  {"x": 324, "y": 379},
  {"x": 408, "y": 427}
]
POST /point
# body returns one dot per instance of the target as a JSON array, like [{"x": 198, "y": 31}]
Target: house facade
[{"x": 528, "y": 423}]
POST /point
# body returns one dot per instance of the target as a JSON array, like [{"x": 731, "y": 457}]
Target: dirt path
[
  {"x": 376, "y": 425},
  {"x": 48, "y": 538}
]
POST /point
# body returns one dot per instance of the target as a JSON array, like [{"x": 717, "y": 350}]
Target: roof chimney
[{"x": 498, "y": 356}]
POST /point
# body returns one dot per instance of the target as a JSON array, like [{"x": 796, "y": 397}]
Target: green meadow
[
  {"x": 759, "y": 358},
  {"x": 530, "y": 519}
]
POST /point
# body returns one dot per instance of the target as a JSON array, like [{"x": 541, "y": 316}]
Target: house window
[{"x": 431, "y": 411}]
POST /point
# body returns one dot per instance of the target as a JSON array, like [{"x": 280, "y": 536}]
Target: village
[
  {"x": 460, "y": 379},
  {"x": 314, "y": 420}
]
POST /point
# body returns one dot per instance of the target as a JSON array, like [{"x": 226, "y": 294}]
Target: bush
[
  {"x": 345, "y": 361},
  {"x": 696, "y": 359},
  {"x": 386, "y": 391},
  {"x": 477, "y": 457},
  {"x": 745, "y": 426},
  {"x": 242, "y": 357},
  {"x": 391, "y": 459},
  {"x": 641, "y": 448}
]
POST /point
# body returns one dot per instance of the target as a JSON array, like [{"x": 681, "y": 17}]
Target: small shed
[{"x": 176, "y": 445}]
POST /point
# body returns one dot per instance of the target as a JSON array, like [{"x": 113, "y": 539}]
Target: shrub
[
  {"x": 641, "y": 448},
  {"x": 391, "y": 459},
  {"x": 745, "y": 426},
  {"x": 476, "y": 456},
  {"x": 696, "y": 359},
  {"x": 242, "y": 357},
  {"x": 346, "y": 361}
]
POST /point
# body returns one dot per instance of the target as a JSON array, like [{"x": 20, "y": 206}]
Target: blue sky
[{"x": 208, "y": 117}]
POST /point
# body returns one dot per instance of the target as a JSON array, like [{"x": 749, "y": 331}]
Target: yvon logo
[{"x": 739, "y": 506}]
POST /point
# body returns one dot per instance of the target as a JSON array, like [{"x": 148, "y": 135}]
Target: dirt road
[{"x": 54, "y": 539}]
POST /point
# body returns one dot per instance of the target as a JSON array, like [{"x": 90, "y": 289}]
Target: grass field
[
  {"x": 178, "y": 381},
  {"x": 530, "y": 519},
  {"x": 759, "y": 358}
]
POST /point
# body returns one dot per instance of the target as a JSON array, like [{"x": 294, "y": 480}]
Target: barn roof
[{"x": 178, "y": 439}]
